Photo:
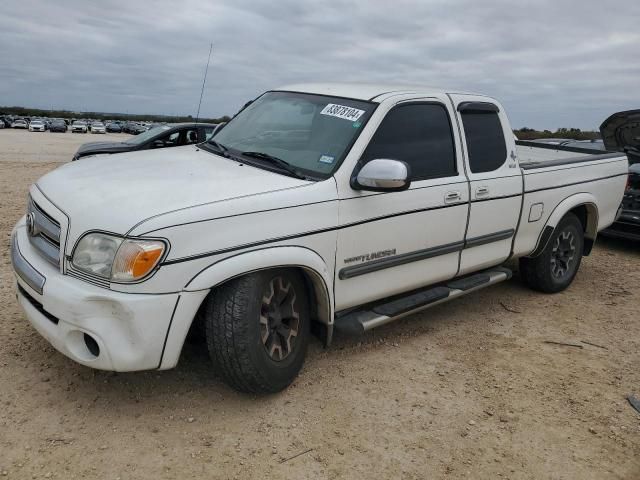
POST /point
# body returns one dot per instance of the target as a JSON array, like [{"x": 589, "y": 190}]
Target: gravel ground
[{"x": 468, "y": 389}]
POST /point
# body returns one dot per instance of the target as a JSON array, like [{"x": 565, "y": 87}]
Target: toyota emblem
[{"x": 31, "y": 227}]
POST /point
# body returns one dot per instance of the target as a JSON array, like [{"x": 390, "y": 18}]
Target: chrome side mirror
[{"x": 383, "y": 175}]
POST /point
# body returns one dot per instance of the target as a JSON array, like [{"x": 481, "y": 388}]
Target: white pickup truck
[{"x": 316, "y": 208}]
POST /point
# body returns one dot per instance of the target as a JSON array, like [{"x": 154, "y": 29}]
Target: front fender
[
  {"x": 228, "y": 268},
  {"x": 262, "y": 259},
  {"x": 273, "y": 257}
]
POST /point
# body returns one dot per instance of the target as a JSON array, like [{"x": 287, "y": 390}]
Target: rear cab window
[{"x": 486, "y": 146}]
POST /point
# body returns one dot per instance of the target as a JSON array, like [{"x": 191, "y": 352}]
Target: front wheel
[
  {"x": 555, "y": 268},
  {"x": 257, "y": 329}
]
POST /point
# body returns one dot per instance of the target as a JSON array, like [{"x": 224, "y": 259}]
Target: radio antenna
[{"x": 204, "y": 81}]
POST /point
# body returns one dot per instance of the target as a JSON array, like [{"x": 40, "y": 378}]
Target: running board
[{"x": 359, "y": 321}]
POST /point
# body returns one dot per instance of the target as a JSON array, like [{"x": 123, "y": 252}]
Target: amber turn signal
[{"x": 136, "y": 259}]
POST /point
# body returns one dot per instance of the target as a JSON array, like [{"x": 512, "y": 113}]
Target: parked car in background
[
  {"x": 1, "y": 123},
  {"x": 113, "y": 127},
  {"x": 621, "y": 132},
  {"x": 37, "y": 126},
  {"x": 98, "y": 127},
  {"x": 137, "y": 129},
  {"x": 159, "y": 137},
  {"x": 79, "y": 126},
  {"x": 58, "y": 126},
  {"x": 19, "y": 123},
  {"x": 129, "y": 127}
]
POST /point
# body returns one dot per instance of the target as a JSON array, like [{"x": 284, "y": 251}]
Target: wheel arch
[
  {"x": 317, "y": 276},
  {"x": 585, "y": 207}
]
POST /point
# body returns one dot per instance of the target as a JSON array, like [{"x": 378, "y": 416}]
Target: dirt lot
[{"x": 465, "y": 390}]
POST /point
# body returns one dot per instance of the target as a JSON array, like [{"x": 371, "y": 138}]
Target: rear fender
[{"x": 585, "y": 200}]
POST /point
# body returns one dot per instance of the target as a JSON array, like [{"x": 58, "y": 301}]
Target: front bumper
[{"x": 129, "y": 330}]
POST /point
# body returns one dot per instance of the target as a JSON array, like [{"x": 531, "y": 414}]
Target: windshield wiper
[
  {"x": 221, "y": 148},
  {"x": 286, "y": 166}
]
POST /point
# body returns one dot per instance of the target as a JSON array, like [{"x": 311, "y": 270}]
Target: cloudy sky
[{"x": 552, "y": 63}]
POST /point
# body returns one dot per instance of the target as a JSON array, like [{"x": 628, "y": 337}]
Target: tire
[
  {"x": 246, "y": 322},
  {"x": 555, "y": 268}
]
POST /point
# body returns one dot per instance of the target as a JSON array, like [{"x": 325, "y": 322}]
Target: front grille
[{"x": 44, "y": 233}]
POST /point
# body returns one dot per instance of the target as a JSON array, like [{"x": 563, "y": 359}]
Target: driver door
[{"x": 393, "y": 242}]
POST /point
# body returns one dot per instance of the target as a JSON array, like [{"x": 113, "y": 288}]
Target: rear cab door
[{"x": 495, "y": 181}]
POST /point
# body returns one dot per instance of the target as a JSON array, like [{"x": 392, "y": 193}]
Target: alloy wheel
[{"x": 279, "y": 319}]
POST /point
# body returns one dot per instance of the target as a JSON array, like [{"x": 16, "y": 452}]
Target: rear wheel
[
  {"x": 555, "y": 268},
  {"x": 257, "y": 330}
]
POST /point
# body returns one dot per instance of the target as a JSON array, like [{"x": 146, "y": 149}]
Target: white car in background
[
  {"x": 37, "y": 126},
  {"x": 79, "y": 127},
  {"x": 98, "y": 127},
  {"x": 20, "y": 124}
]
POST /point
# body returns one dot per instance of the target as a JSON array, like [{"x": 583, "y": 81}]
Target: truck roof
[{"x": 364, "y": 91}]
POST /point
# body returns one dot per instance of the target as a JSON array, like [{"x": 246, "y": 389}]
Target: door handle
[
  {"x": 451, "y": 197},
  {"x": 482, "y": 191}
]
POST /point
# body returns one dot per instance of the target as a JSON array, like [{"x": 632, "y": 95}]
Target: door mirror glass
[{"x": 383, "y": 175}]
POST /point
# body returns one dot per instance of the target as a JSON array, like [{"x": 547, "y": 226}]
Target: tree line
[
  {"x": 36, "y": 112},
  {"x": 572, "y": 133}
]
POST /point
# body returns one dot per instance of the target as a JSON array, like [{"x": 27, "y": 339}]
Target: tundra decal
[{"x": 371, "y": 256}]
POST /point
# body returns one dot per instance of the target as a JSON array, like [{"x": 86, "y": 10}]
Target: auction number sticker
[{"x": 340, "y": 111}]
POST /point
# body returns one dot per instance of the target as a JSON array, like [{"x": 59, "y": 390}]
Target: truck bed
[
  {"x": 537, "y": 155},
  {"x": 554, "y": 174}
]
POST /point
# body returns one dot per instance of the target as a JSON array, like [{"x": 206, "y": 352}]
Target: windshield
[
  {"x": 79, "y": 123},
  {"x": 312, "y": 133},
  {"x": 144, "y": 136}
]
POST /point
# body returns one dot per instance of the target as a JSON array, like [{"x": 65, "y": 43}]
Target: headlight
[{"x": 115, "y": 258}]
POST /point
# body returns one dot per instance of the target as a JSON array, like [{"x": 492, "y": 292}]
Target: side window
[
  {"x": 419, "y": 134},
  {"x": 485, "y": 140},
  {"x": 208, "y": 133}
]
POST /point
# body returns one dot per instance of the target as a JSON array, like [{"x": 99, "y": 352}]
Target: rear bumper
[
  {"x": 129, "y": 330},
  {"x": 626, "y": 226}
]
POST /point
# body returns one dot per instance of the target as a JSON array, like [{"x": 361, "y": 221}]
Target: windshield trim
[{"x": 310, "y": 174}]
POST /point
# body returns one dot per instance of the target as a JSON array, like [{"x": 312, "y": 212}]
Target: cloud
[{"x": 555, "y": 63}]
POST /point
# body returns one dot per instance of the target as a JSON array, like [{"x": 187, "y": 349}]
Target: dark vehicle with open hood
[
  {"x": 162, "y": 136},
  {"x": 621, "y": 132}
]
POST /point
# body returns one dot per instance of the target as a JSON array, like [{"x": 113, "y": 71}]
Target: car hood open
[
  {"x": 621, "y": 132},
  {"x": 116, "y": 193}
]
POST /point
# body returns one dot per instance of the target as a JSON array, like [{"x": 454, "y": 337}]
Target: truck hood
[
  {"x": 116, "y": 193},
  {"x": 621, "y": 132}
]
